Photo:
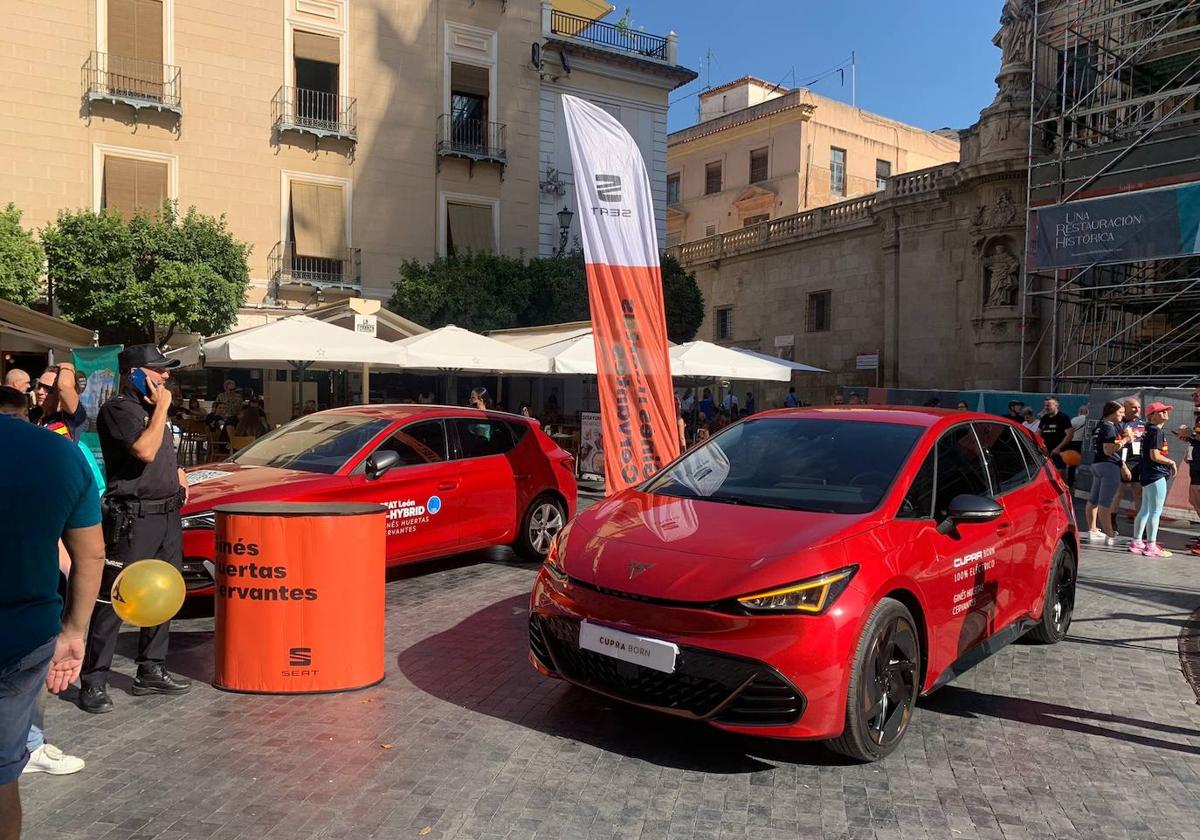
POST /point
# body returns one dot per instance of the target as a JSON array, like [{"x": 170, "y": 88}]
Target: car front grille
[
  {"x": 704, "y": 685},
  {"x": 195, "y": 575}
]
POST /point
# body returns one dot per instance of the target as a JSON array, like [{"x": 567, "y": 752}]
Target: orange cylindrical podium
[{"x": 299, "y": 596}]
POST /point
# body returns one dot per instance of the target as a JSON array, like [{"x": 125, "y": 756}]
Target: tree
[
  {"x": 21, "y": 259},
  {"x": 484, "y": 292},
  {"x": 146, "y": 279}
]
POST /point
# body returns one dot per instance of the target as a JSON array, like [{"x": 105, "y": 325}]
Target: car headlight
[
  {"x": 553, "y": 561},
  {"x": 807, "y": 596},
  {"x": 207, "y": 519}
]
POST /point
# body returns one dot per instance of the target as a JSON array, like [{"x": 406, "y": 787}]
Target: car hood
[
  {"x": 214, "y": 484},
  {"x": 701, "y": 551}
]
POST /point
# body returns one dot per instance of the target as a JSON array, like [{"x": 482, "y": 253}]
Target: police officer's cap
[{"x": 144, "y": 355}]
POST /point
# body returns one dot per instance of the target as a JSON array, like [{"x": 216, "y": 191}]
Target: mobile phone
[{"x": 137, "y": 378}]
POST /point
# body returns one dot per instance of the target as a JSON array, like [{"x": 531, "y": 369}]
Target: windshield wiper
[{"x": 751, "y": 501}]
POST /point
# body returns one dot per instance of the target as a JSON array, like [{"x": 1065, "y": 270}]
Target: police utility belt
[{"x": 137, "y": 507}]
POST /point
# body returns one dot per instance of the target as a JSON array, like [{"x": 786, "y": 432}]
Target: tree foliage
[
  {"x": 21, "y": 259},
  {"x": 146, "y": 279},
  {"x": 482, "y": 292}
]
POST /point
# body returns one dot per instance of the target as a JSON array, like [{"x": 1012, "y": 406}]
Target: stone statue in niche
[
  {"x": 1015, "y": 38},
  {"x": 1001, "y": 276}
]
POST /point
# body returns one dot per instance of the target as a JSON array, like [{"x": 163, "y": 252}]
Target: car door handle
[
  {"x": 1003, "y": 526},
  {"x": 448, "y": 485},
  {"x": 520, "y": 476}
]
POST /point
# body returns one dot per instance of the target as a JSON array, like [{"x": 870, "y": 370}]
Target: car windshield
[
  {"x": 811, "y": 464},
  {"x": 316, "y": 443}
]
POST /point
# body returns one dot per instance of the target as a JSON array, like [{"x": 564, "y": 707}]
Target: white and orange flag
[{"x": 616, "y": 215}]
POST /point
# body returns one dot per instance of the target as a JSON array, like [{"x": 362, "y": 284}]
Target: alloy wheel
[
  {"x": 1064, "y": 597},
  {"x": 544, "y": 524},
  {"x": 889, "y": 688}
]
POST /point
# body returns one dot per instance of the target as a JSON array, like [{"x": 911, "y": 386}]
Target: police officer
[{"x": 146, "y": 490}]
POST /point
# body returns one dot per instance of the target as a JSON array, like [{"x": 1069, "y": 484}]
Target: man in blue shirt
[
  {"x": 51, "y": 492},
  {"x": 707, "y": 407}
]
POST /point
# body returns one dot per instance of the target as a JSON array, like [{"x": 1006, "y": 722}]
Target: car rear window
[{"x": 811, "y": 464}]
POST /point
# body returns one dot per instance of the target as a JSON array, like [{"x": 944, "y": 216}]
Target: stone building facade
[{"x": 925, "y": 272}]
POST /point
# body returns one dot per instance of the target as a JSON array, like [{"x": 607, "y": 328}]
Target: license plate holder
[{"x": 628, "y": 647}]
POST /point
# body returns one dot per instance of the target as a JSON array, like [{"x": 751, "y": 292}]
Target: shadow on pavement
[
  {"x": 481, "y": 664},
  {"x": 964, "y": 702}
]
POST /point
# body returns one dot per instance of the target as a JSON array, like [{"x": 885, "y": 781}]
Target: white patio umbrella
[
  {"x": 796, "y": 366},
  {"x": 704, "y": 360},
  {"x": 452, "y": 348},
  {"x": 298, "y": 341},
  {"x": 573, "y": 355}
]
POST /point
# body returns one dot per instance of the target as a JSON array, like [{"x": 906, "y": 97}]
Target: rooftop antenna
[
  {"x": 706, "y": 62},
  {"x": 853, "y": 81}
]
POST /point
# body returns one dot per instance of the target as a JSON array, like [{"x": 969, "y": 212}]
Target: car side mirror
[
  {"x": 966, "y": 509},
  {"x": 380, "y": 462}
]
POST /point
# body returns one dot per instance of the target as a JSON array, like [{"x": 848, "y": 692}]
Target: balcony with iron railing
[
  {"x": 610, "y": 37},
  {"x": 131, "y": 81},
  {"x": 473, "y": 140},
  {"x": 315, "y": 112},
  {"x": 291, "y": 269}
]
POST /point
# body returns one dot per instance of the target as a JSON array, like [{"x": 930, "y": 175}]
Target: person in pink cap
[{"x": 1156, "y": 467}]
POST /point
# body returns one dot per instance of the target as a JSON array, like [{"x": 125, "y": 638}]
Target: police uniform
[{"x": 141, "y": 521}]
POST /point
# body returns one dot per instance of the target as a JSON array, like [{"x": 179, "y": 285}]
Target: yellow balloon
[{"x": 148, "y": 592}]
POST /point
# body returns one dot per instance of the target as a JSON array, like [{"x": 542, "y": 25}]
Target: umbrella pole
[{"x": 366, "y": 384}]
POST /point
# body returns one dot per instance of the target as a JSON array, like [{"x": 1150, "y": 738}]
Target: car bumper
[
  {"x": 774, "y": 676},
  {"x": 198, "y": 561}
]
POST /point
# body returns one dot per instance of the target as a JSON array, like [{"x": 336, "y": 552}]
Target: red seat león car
[
  {"x": 810, "y": 573},
  {"x": 453, "y": 479}
]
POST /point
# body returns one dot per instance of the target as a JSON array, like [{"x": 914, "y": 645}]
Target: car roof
[
  {"x": 410, "y": 411},
  {"x": 907, "y": 415}
]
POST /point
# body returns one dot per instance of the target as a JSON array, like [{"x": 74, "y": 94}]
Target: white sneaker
[
  {"x": 50, "y": 759},
  {"x": 1096, "y": 536},
  {"x": 1110, "y": 540}
]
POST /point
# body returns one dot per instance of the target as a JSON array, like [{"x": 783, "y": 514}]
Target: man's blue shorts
[{"x": 20, "y": 684}]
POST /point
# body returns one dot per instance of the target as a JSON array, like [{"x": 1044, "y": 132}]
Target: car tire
[
  {"x": 884, "y": 684},
  {"x": 1059, "y": 603},
  {"x": 543, "y": 520}
]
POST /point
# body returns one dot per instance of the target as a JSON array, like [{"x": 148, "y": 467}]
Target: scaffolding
[{"x": 1114, "y": 107}]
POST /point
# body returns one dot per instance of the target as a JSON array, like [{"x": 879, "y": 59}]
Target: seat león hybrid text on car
[
  {"x": 809, "y": 573},
  {"x": 453, "y": 479}
]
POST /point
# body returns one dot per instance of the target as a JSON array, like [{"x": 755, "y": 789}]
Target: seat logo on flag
[{"x": 608, "y": 187}]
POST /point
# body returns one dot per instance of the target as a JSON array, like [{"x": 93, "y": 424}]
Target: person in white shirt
[{"x": 1030, "y": 421}]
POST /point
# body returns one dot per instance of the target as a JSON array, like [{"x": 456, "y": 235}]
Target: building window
[
  {"x": 135, "y": 48},
  {"x": 712, "y": 178},
  {"x": 673, "y": 188},
  {"x": 837, "y": 171},
  {"x": 130, "y": 185},
  {"x": 710, "y": 230},
  {"x": 755, "y": 220},
  {"x": 759, "y": 165},
  {"x": 316, "y": 71},
  {"x": 723, "y": 323},
  {"x": 883, "y": 171},
  {"x": 317, "y": 232},
  {"x": 470, "y": 228},
  {"x": 820, "y": 311},
  {"x": 469, "y": 106},
  {"x": 674, "y": 237}
]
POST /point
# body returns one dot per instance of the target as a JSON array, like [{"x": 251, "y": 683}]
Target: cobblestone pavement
[{"x": 1094, "y": 738}]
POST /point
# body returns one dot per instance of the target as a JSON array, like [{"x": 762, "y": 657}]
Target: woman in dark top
[
  {"x": 1156, "y": 467},
  {"x": 1106, "y": 473}
]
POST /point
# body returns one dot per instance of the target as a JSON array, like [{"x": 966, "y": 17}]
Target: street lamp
[{"x": 564, "y": 228}]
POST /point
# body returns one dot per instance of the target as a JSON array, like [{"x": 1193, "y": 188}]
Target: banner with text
[
  {"x": 1143, "y": 225},
  {"x": 620, "y": 245}
]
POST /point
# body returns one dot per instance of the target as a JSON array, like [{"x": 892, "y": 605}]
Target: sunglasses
[{"x": 42, "y": 386}]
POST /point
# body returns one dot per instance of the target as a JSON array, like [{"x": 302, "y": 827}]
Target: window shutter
[
  {"x": 306, "y": 216},
  {"x": 313, "y": 47},
  {"x": 467, "y": 78},
  {"x": 122, "y": 40},
  {"x": 151, "y": 185},
  {"x": 120, "y": 186},
  {"x": 148, "y": 31},
  {"x": 333, "y": 221},
  {"x": 471, "y": 228}
]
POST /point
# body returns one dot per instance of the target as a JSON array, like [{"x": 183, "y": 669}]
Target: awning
[
  {"x": 22, "y": 330},
  {"x": 796, "y": 366}
]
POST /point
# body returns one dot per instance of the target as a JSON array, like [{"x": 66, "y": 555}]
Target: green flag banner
[{"x": 99, "y": 365}]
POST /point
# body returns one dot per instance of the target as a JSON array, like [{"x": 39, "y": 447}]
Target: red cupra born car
[
  {"x": 453, "y": 479},
  {"x": 809, "y": 573}
]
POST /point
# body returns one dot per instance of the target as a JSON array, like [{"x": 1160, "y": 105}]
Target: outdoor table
[{"x": 299, "y": 597}]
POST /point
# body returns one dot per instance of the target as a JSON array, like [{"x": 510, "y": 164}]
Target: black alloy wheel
[
  {"x": 1060, "y": 600},
  {"x": 884, "y": 684}
]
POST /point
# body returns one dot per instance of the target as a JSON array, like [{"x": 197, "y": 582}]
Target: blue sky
[{"x": 930, "y": 63}]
